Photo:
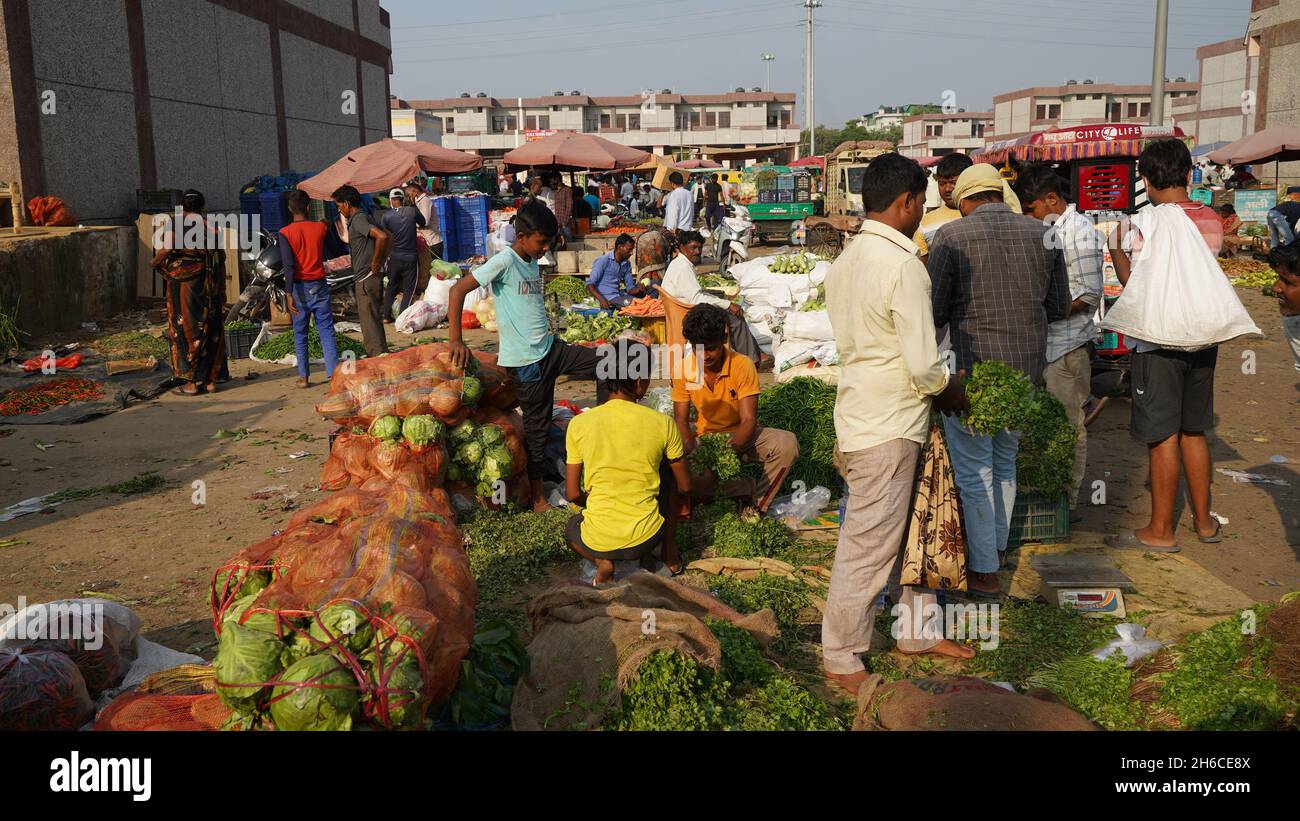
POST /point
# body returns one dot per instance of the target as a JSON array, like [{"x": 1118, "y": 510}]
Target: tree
[{"x": 829, "y": 138}]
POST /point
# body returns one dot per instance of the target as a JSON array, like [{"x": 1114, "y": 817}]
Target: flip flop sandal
[
  {"x": 1129, "y": 540},
  {"x": 1215, "y": 539},
  {"x": 182, "y": 392}
]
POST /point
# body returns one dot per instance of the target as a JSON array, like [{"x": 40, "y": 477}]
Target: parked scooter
[
  {"x": 267, "y": 286},
  {"x": 733, "y": 237}
]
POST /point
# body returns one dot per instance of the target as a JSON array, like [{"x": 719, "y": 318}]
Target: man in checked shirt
[
  {"x": 997, "y": 281},
  {"x": 1069, "y": 365}
]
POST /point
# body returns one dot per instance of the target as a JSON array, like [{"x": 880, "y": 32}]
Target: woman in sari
[{"x": 192, "y": 264}]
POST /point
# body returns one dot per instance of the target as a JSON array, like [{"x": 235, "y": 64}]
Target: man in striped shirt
[{"x": 1069, "y": 366}]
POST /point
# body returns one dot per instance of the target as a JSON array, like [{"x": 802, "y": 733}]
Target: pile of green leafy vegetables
[
  {"x": 509, "y": 550},
  {"x": 673, "y": 692},
  {"x": 806, "y": 407},
  {"x": 572, "y": 288},
  {"x": 602, "y": 327},
  {"x": 714, "y": 454},
  {"x": 281, "y": 345},
  {"x": 479, "y": 456},
  {"x": 1002, "y": 398},
  {"x": 751, "y": 536},
  {"x": 497, "y": 660}
]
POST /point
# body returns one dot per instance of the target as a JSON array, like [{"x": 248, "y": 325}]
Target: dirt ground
[{"x": 157, "y": 552}]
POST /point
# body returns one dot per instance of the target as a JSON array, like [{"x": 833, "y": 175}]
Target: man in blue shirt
[
  {"x": 402, "y": 221},
  {"x": 611, "y": 281}
]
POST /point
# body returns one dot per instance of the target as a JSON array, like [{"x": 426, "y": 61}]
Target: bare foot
[
  {"x": 542, "y": 506},
  {"x": 211, "y": 387},
  {"x": 300, "y": 382},
  {"x": 848, "y": 682},
  {"x": 946, "y": 648},
  {"x": 604, "y": 571}
]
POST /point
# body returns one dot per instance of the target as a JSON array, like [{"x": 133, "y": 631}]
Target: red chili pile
[{"x": 46, "y": 395}]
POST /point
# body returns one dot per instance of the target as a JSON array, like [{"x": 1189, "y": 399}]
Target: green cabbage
[
  {"x": 501, "y": 454},
  {"x": 463, "y": 432},
  {"x": 490, "y": 435},
  {"x": 247, "y": 654},
  {"x": 472, "y": 390},
  {"x": 422, "y": 430},
  {"x": 325, "y": 702},
  {"x": 386, "y": 427},
  {"x": 342, "y": 619},
  {"x": 470, "y": 453},
  {"x": 490, "y": 470},
  {"x": 404, "y": 689}
]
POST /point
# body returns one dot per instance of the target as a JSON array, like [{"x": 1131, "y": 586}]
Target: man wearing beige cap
[{"x": 996, "y": 283}]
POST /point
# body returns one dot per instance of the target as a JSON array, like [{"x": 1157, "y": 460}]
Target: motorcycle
[
  {"x": 267, "y": 286},
  {"x": 733, "y": 237}
]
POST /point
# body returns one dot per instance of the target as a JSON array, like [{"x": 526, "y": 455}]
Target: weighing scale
[{"x": 1088, "y": 584}]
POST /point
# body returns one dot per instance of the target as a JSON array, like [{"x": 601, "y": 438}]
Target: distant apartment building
[
  {"x": 663, "y": 122},
  {"x": 1022, "y": 112},
  {"x": 886, "y": 117},
  {"x": 935, "y": 135},
  {"x": 409, "y": 124},
  {"x": 1223, "y": 107}
]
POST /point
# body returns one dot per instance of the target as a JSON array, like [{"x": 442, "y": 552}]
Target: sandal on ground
[
  {"x": 180, "y": 391},
  {"x": 1215, "y": 538},
  {"x": 1129, "y": 540},
  {"x": 301, "y": 382}
]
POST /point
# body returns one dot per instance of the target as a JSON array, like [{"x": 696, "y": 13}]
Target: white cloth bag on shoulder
[{"x": 1177, "y": 296}]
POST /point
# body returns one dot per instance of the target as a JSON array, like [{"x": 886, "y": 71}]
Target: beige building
[
  {"x": 1022, "y": 112},
  {"x": 409, "y": 124},
  {"x": 934, "y": 135},
  {"x": 1251, "y": 82},
  {"x": 662, "y": 122}
]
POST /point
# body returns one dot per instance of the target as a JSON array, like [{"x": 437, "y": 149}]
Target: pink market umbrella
[
  {"x": 571, "y": 151},
  {"x": 1278, "y": 144},
  {"x": 382, "y": 165}
]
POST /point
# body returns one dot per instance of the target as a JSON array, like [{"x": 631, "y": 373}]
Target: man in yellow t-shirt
[
  {"x": 945, "y": 175},
  {"x": 725, "y": 395},
  {"x": 625, "y": 459}
]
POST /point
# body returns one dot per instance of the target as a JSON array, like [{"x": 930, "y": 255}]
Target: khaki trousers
[
  {"x": 1069, "y": 379},
  {"x": 881, "y": 482},
  {"x": 776, "y": 450}
]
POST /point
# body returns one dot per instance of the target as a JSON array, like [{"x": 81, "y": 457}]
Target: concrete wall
[
  {"x": 69, "y": 277},
  {"x": 211, "y": 103}
]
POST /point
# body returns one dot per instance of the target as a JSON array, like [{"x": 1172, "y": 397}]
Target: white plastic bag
[
  {"x": 810, "y": 325},
  {"x": 1132, "y": 643},
  {"x": 420, "y": 316},
  {"x": 1177, "y": 297},
  {"x": 800, "y": 506},
  {"x": 438, "y": 292}
]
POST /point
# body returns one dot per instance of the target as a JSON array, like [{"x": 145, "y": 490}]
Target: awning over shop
[
  {"x": 746, "y": 153},
  {"x": 1076, "y": 143},
  {"x": 814, "y": 161}
]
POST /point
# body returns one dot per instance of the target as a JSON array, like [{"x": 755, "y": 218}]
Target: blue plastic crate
[
  {"x": 275, "y": 210},
  {"x": 250, "y": 204}
]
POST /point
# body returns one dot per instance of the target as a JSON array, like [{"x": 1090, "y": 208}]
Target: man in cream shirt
[{"x": 878, "y": 298}]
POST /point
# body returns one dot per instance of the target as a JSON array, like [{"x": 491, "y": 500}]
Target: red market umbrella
[
  {"x": 382, "y": 165},
  {"x": 691, "y": 165},
  {"x": 571, "y": 151},
  {"x": 815, "y": 161}
]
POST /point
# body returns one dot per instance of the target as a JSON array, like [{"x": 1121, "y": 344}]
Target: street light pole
[
  {"x": 768, "y": 58},
  {"x": 1158, "y": 63},
  {"x": 810, "y": 105}
]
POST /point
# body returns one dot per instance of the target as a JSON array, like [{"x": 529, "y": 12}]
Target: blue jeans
[
  {"x": 1279, "y": 230},
  {"x": 312, "y": 298},
  {"x": 984, "y": 468}
]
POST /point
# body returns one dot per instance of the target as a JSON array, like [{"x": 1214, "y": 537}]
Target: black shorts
[
  {"x": 1173, "y": 392},
  {"x": 573, "y": 533}
]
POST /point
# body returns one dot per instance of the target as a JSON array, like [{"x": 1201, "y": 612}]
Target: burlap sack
[
  {"x": 960, "y": 703},
  {"x": 588, "y": 642}
]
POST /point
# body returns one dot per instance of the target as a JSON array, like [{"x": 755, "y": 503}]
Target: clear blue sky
[{"x": 869, "y": 52}]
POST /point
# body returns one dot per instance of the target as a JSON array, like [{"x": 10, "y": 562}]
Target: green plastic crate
[{"x": 1039, "y": 518}]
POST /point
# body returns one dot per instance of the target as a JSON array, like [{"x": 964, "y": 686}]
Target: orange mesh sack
[
  {"x": 365, "y": 619},
  {"x": 147, "y": 712}
]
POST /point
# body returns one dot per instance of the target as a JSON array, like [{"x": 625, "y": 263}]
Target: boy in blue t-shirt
[{"x": 532, "y": 355}]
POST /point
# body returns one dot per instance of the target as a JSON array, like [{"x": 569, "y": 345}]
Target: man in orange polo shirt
[{"x": 725, "y": 395}]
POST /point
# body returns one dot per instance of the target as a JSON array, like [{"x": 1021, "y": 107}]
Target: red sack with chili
[{"x": 42, "y": 690}]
